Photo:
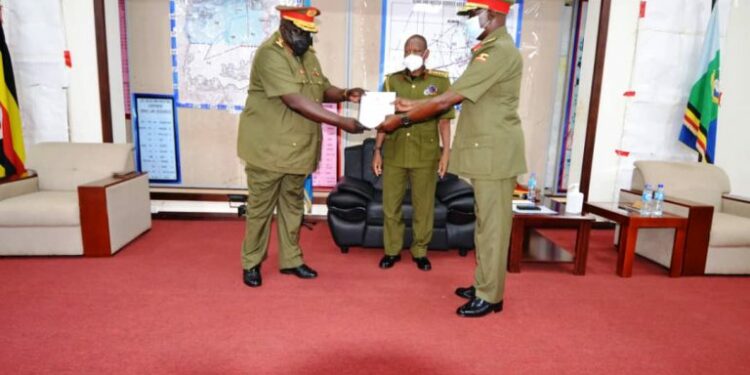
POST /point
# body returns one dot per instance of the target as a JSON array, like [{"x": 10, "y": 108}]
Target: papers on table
[{"x": 375, "y": 106}]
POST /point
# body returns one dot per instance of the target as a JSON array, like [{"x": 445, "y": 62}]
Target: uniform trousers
[
  {"x": 493, "y": 208},
  {"x": 423, "y": 182},
  {"x": 268, "y": 190}
]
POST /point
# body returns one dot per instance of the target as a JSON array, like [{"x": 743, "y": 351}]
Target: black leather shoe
[
  {"x": 303, "y": 272},
  {"x": 467, "y": 293},
  {"x": 252, "y": 277},
  {"x": 478, "y": 307},
  {"x": 389, "y": 260},
  {"x": 423, "y": 263}
]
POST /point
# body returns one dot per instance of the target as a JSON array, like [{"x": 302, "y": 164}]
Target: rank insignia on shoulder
[
  {"x": 438, "y": 73},
  {"x": 431, "y": 90},
  {"x": 482, "y": 57},
  {"x": 280, "y": 42}
]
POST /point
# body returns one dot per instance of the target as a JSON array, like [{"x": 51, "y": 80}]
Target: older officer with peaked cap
[{"x": 280, "y": 138}]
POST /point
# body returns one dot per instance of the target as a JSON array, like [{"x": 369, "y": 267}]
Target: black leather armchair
[{"x": 355, "y": 208}]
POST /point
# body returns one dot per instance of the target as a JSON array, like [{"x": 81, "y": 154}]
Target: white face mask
[
  {"x": 413, "y": 62},
  {"x": 474, "y": 27}
]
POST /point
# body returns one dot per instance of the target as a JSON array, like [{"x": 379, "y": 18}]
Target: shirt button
[
  {"x": 414, "y": 86},
  {"x": 408, "y": 134},
  {"x": 476, "y": 144},
  {"x": 294, "y": 143}
]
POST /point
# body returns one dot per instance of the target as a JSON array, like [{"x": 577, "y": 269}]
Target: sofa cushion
[
  {"x": 41, "y": 209},
  {"x": 729, "y": 230},
  {"x": 64, "y": 166},
  {"x": 697, "y": 182}
]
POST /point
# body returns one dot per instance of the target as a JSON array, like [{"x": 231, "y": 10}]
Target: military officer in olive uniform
[
  {"x": 489, "y": 144},
  {"x": 280, "y": 138},
  {"x": 411, "y": 155}
]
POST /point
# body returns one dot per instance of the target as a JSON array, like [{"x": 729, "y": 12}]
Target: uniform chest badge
[
  {"x": 482, "y": 57},
  {"x": 431, "y": 90},
  {"x": 315, "y": 73}
]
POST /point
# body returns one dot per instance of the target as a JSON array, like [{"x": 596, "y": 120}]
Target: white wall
[
  {"x": 114, "y": 54},
  {"x": 621, "y": 42},
  {"x": 84, "y": 114},
  {"x": 584, "y": 93},
  {"x": 733, "y": 152},
  {"x": 647, "y": 124}
]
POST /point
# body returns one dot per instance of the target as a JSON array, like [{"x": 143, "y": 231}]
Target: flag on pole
[
  {"x": 11, "y": 138},
  {"x": 308, "y": 194},
  {"x": 699, "y": 125}
]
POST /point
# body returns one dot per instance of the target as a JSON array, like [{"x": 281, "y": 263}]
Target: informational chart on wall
[
  {"x": 213, "y": 45},
  {"x": 327, "y": 173},
  {"x": 155, "y": 136},
  {"x": 436, "y": 20}
]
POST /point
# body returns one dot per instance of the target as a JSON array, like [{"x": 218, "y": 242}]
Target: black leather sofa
[{"x": 355, "y": 208}]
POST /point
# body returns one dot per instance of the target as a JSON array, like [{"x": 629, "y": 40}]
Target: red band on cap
[
  {"x": 496, "y": 5},
  {"x": 297, "y": 16}
]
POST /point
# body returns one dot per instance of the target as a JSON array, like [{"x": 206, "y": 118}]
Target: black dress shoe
[
  {"x": 423, "y": 263},
  {"x": 303, "y": 272},
  {"x": 252, "y": 277},
  {"x": 389, "y": 260},
  {"x": 478, "y": 307},
  {"x": 467, "y": 293}
]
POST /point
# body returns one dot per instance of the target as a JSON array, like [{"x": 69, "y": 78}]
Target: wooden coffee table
[
  {"x": 524, "y": 223},
  {"x": 630, "y": 222}
]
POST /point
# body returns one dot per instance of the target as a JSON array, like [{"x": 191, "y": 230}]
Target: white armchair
[
  {"x": 79, "y": 199},
  {"x": 718, "y": 234}
]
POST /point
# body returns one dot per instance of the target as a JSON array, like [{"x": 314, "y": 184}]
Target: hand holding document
[{"x": 375, "y": 106}]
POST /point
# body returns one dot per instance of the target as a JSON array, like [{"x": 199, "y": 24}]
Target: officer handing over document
[
  {"x": 280, "y": 138},
  {"x": 489, "y": 144}
]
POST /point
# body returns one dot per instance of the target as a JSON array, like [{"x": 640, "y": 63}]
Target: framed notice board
[{"x": 156, "y": 137}]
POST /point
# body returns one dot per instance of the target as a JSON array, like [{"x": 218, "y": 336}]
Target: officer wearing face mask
[
  {"x": 280, "y": 138},
  {"x": 489, "y": 144},
  {"x": 411, "y": 155}
]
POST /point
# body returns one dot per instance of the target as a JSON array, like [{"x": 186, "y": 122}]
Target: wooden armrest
[
  {"x": 25, "y": 176},
  {"x": 114, "y": 180},
  {"x": 736, "y": 198},
  {"x": 672, "y": 200}
]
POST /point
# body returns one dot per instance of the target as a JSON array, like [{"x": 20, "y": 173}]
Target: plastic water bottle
[
  {"x": 659, "y": 201},
  {"x": 646, "y": 200},
  {"x": 532, "y": 188}
]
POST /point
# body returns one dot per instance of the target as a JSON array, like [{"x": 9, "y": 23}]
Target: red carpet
[{"x": 174, "y": 302}]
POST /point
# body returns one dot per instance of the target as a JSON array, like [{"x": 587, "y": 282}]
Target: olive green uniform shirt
[
  {"x": 418, "y": 145},
  {"x": 271, "y": 135},
  {"x": 489, "y": 142}
]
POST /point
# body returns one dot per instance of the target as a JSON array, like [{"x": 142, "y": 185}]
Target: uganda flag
[
  {"x": 11, "y": 138},
  {"x": 699, "y": 125}
]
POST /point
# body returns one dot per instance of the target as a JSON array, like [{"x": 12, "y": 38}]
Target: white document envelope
[{"x": 375, "y": 106}]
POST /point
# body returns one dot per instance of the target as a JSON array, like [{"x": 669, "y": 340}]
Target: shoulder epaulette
[
  {"x": 438, "y": 73},
  {"x": 279, "y": 42}
]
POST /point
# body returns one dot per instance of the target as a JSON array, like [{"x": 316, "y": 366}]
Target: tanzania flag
[
  {"x": 308, "y": 194},
  {"x": 11, "y": 139},
  {"x": 701, "y": 116}
]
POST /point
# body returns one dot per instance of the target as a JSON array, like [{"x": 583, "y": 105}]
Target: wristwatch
[{"x": 405, "y": 120}]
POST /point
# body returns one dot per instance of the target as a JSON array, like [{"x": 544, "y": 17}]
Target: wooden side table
[
  {"x": 630, "y": 222},
  {"x": 523, "y": 223}
]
